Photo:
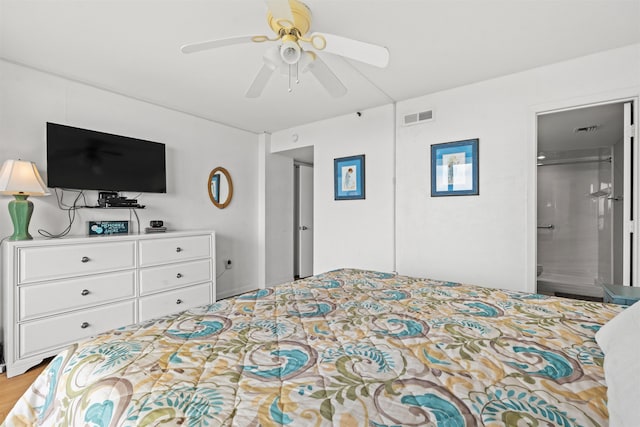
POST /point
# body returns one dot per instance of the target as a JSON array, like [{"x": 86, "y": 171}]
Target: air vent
[
  {"x": 591, "y": 128},
  {"x": 421, "y": 117},
  {"x": 410, "y": 119}
]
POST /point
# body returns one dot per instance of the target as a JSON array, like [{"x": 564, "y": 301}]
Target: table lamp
[{"x": 21, "y": 179}]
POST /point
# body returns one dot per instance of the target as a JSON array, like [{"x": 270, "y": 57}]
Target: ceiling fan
[{"x": 296, "y": 51}]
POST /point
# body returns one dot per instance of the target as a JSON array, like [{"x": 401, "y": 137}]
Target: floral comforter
[{"x": 344, "y": 348}]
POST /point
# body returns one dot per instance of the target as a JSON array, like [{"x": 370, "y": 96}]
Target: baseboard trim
[
  {"x": 280, "y": 281},
  {"x": 591, "y": 291},
  {"x": 236, "y": 291}
]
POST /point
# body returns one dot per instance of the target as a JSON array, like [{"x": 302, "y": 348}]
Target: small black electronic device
[
  {"x": 105, "y": 196},
  {"x": 122, "y": 202},
  {"x": 157, "y": 226}
]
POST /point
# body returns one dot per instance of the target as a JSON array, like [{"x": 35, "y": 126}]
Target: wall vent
[
  {"x": 591, "y": 128},
  {"x": 421, "y": 117}
]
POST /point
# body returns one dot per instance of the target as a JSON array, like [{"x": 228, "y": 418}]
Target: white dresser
[{"x": 56, "y": 292}]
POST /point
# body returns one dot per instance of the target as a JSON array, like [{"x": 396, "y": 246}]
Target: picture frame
[
  {"x": 215, "y": 187},
  {"x": 454, "y": 168},
  {"x": 349, "y": 178}
]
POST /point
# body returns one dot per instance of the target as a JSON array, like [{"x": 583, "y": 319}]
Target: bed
[{"x": 344, "y": 348}]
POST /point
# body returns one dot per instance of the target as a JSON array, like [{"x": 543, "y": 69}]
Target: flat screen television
[{"x": 89, "y": 160}]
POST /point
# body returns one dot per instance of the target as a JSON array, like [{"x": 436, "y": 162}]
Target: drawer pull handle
[
  {"x": 84, "y": 292},
  {"x": 178, "y": 249},
  {"x": 179, "y": 275},
  {"x": 178, "y": 301},
  {"x": 84, "y": 325},
  {"x": 85, "y": 259}
]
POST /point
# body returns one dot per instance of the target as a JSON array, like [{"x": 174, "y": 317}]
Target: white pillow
[{"x": 619, "y": 339}]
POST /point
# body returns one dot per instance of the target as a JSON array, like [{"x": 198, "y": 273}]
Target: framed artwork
[
  {"x": 454, "y": 168},
  {"x": 215, "y": 187},
  {"x": 348, "y": 178}
]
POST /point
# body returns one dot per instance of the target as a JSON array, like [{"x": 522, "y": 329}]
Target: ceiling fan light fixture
[
  {"x": 290, "y": 20},
  {"x": 290, "y": 52}
]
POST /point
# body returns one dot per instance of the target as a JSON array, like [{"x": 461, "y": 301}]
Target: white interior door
[{"x": 305, "y": 221}]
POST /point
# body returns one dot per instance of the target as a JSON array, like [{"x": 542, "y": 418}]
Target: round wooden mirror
[{"x": 220, "y": 187}]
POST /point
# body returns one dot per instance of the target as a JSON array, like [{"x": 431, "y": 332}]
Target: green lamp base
[{"x": 20, "y": 211}]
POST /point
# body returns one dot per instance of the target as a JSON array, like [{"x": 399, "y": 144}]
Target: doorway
[
  {"x": 585, "y": 175},
  {"x": 303, "y": 221}
]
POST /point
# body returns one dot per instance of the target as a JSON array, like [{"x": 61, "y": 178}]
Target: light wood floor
[{"x": 11, "y": 389}]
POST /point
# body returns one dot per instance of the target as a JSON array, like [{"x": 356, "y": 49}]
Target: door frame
[
  {"x": 611, "y": 97},
  {"x": 296, "y": 215}
]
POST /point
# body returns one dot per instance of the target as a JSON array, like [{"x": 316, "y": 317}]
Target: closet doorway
[
  {"x": 586, "y": 170},
  {"x": 303, "y": 220}
]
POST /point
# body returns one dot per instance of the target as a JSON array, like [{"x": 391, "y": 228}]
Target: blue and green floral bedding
[{"x": 345, "y": 348}]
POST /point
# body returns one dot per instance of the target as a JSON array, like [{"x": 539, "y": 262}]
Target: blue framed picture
[
  {"x": 454, "y": 168},
  {"x": 348, "y": 178},
  {"x": 215, "y": 187}
]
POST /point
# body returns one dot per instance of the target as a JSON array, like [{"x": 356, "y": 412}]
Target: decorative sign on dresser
[{"x": 56, "y": 292}]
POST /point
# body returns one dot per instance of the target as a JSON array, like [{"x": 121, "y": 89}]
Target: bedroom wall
[
  {"x": 29, "y": 98},
  {"x": 490, "y": 239},
  {"x": 278, "y": 207},
  {"x": 350, "y": 233}
]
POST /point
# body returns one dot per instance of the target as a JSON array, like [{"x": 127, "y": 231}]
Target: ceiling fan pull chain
[
  {"x": 297, "y": 73},
  {"x": 290, "y": 65}
]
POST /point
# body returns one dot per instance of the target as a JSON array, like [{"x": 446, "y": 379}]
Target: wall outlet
[{"x": 227, "y": 264}]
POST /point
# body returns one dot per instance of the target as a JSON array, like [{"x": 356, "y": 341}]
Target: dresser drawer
[
  {"x": 155, "y": 279},
  {"x": 174, "y": 301},
  {"x": 51, "y": 262},
  {"x": 160, "y": 251},
  {"x": 64, "y": 295},
  {"x": 59, "y": 331}
]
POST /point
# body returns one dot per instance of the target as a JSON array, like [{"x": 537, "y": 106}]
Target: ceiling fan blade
[
  {"x": 326, "y": 77},
  {"x": 213, "y": 44},
  {"x": 260, "y": 82},
  {"x": 280, "y": 9},
  {"x": 360, "y": 51}
]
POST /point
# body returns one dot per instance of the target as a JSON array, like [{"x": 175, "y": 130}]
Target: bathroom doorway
[{"x": 585, "y": 180}]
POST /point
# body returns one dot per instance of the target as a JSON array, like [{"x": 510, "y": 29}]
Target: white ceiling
[{"x": 132, "y": 47}]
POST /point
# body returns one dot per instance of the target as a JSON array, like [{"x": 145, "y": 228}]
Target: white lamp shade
[
  {"x": 290, "y": 52},
  {"x": 21, "y": 177}
]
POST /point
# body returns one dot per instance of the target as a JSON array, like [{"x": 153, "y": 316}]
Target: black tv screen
[{"x": 89, "y": 160}]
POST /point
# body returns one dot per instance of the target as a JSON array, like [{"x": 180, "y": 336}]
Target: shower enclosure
[{"x": 577, "y": 196}]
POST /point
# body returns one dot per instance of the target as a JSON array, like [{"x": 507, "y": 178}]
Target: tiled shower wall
[{"x": 578, "y": 249}]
